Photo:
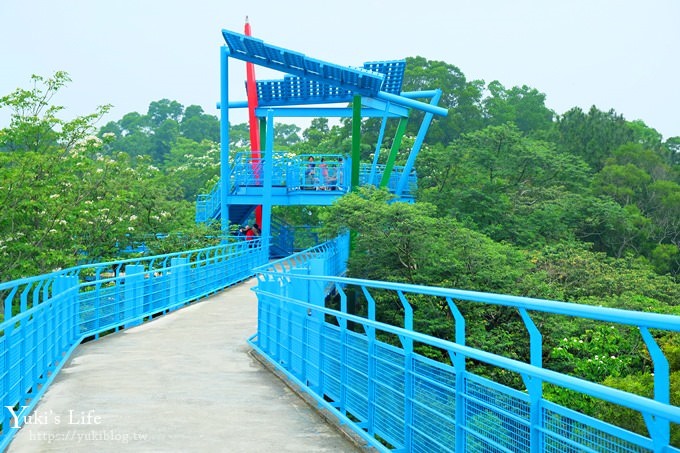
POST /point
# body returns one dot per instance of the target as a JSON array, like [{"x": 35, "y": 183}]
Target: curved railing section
[
  {"x": 46, "y": 317},
  {"x": 400, "y": 400}
]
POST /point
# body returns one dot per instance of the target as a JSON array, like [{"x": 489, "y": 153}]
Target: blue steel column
[
  {"x": 533, "y": 384},
  {"x": 659, "y": 428},
  {"x": 458, "y": 360},
  {"x": 424, "y": 126},
  {"x": 342, "y": 323},
  {"x": 315, "y": 334},
  {"x": 224, "y": 139},
  {"x": 7, "y": 354},
  {"x": 371, "y": 365},
  {"x": 409, "y": 372},
  {"x": 266, "y": 226}
]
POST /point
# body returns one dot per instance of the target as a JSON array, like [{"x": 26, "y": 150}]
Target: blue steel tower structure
[{"x": 310, "y": 88}]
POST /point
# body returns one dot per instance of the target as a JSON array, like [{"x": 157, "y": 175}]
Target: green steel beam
[
  {"x": 401, "y": 129},
  {"x": 263, "y": 133}
]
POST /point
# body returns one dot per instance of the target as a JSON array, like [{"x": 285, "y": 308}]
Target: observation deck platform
[{"x": 183, "y": 382}]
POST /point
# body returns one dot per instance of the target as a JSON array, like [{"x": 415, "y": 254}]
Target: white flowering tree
[
  {"x": 62, "y": 199},
  {"x": 194, "y": 165}
]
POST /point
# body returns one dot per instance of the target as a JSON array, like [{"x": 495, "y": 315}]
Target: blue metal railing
[
  {"x": 47, "y": 316},
  {"x": 208, "y": 205},
  {"x": 295, "y": 173},
  {"x": 366, "y": 171},
  {"x": 319, "y": 172},
  {"x": 282, "y": 238},
  {"x": 391, "y": 395},
  {"x": 397, "y": 399}
]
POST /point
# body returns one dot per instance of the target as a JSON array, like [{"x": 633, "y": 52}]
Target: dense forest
[{"x": 578, "y": 206}]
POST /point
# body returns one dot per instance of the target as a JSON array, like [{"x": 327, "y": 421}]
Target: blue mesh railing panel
[
  {"x": 298, "y": 339},
  {"x": 86, "y": 301},
  {"x": 208, "y": 205},
  {"x": 332, "y": 362},
  {"x": 434, "y": 406},
  {"x": 357, "y": 375},
  {"x": 570, "y": 431},
  {"x": 393, "y": 181},
  {"x": 395, "y": 398},
  {"x": 496, "y": 414},
  {"x": 389, "y": 393}
]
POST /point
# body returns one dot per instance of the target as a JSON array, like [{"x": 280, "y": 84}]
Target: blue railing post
[
  {"x": 315, "y": 320},
  {"x": 225, "y": 180},
  {"x": 134, "y": 293},
  {"x": 59, "y": 288},
  {"x": 265, "y": 317},
  {"x": 179, "y": 275},
  {"x": 458, "y": 361},
  {"x": 371, "y": 366},
  {"x": 342, "y": 323},
  {"x": 7, "y": 364},
  {"x": 409, "y": 384},
  {"x": 534, "y": 384},
  {"x": 23, "y": 330},
  {"x": 298, "y": 289},
  {"x": 659, "y": 429},
  {"x": 74, "y": 309}
]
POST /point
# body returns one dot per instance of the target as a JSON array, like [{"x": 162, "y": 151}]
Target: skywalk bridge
[
  {"x": 387, "y": 394},
  {"x": 185, "y": 383}
]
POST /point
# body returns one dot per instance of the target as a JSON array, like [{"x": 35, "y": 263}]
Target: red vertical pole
[{"x": 255, "y": 149}]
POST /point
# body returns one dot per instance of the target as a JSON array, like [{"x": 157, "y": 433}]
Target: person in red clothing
[{"x": 252, "y": 232}]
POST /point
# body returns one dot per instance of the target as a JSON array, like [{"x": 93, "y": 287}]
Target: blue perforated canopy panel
[
  {"x": 300, "y": 90},
  {"x": 394, "y": 74},
  {"x": 356, "y": 80}
]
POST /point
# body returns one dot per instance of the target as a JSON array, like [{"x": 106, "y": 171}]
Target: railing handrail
[
  {"x": 614, "y": 315},
  {"x": 75, "y": 270},
  {"x": 632, "y": 401},
  {"x": 337, "y": 357}
]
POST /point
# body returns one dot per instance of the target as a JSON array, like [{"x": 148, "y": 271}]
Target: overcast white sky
[{"x": 620, "y": 54}]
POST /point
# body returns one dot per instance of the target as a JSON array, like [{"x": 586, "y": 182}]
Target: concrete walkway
[{"x": 184, "y": 382}]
